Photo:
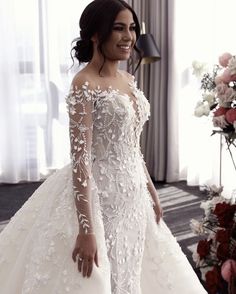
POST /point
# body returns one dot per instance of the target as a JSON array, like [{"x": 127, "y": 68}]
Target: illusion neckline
[
  {"x": 110, "y": 89},
  {"x": 132, "y": 85}
]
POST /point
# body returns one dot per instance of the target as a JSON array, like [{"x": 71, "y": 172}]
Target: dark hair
[{"x": 98, "y": 17}]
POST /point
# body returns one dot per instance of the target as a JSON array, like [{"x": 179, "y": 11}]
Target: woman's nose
[{"x": 127, "y": 35}]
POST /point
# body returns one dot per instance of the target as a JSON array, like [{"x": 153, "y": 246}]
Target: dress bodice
[
  {"x": 105, "y": 128},
  {"x": 118, "y": 120}
]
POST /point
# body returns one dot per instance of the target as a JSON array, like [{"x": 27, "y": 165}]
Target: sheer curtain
[
  {"x": 35, "y": 60},
  {"x": 198, "y": 30}
]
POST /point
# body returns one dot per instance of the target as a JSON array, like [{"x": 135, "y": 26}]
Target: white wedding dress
[{"x": 136, "y": 255}]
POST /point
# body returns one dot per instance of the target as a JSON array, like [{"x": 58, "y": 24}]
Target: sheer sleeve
[{"x": 80, "y": 108}]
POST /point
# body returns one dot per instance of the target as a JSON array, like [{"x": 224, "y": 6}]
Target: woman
[{"x": 119, "y": 244}]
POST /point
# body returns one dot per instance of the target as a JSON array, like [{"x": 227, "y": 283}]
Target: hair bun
[{"x": 83, "y": 50}]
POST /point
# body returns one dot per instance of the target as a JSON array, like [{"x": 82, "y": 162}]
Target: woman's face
[{"x": 122, "y": 38}]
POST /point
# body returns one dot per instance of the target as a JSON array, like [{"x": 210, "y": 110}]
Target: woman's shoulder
[
  {"x": 81, "y": 90},
  {"x": 82, "y": 79}
]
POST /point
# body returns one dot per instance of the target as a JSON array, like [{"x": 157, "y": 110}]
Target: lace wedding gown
[{"x": 136, "y": 255}]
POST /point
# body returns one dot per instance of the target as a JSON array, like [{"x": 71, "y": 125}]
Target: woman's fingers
[
  {"x": 74, "y": 254},
  {"x": 85, "y": 267},
  {"x": 85, "y": 263},
  {"x": 90, "y": 267},
  {"x": 80, "y": 263},
  {"x": 96, "y": 259},
  {"x": 159, "y": 216}
]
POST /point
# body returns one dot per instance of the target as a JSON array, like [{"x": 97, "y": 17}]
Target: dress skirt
[{"x": 135, "y": 254}]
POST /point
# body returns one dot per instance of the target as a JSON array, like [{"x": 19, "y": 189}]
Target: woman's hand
[
  {"x": 86, "y": 250},
  {"x": 153, "y": 192},
  {"x": 158, "y": 210}
]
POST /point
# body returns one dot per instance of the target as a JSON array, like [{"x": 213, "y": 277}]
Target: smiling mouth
[{"x": 125, "y": 47}]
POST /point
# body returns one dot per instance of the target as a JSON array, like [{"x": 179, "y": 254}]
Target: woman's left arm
[{"x": 153, "y": 192}]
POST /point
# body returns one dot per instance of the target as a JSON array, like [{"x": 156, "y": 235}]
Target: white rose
[
  {"x": 199, "y": 68},
  {"x": 206, "y": 206},
  {"x": 202, "y": 109},
  {"x": 216, "y": 190},
  {"x": 196, "y": 227},
  {"x": 233, "y": 197},
  {"x": 209, "y": 97}
]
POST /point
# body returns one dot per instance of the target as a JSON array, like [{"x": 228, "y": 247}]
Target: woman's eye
[
  {"x": 117, "y": 28},
  {"x": 121, "y": 28}
]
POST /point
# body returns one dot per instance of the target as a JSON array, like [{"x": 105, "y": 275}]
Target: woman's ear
[{"x": 94, "y": 38}]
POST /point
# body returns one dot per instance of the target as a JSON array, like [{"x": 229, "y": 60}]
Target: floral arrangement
[
  {"x": 219, "y": 94},
  {"x": 215, "y": 255}
]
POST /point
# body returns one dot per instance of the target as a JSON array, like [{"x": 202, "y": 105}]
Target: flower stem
[{"x": 230, "y": 152}]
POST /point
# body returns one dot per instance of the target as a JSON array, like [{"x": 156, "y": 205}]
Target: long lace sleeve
[{"x": 80, "y": 108}]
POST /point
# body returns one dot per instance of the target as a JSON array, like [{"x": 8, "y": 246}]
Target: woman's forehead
[{"x": 124, "y": 16}]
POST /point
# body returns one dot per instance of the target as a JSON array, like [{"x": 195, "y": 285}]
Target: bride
[{"x": 96, "y": 225}]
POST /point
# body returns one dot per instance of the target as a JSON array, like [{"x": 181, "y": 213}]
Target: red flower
[
  {"x": 223, "y": 236},
  {"x": 231, "y": 115},
  {"x": 225, "y": 213},
  {"x": 219, "y": 244},
  {"x": 203, "y": 248},
  {"x": 226, "y": 221},
  {"x": 222, "y": 208},
  {"x": 223, "y": 251},
  {"x": 213, "y": 281},
  {"x": 220, "y": 111}
]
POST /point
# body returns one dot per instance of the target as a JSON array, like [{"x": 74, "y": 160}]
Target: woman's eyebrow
[{"x": 123, "y": 24}]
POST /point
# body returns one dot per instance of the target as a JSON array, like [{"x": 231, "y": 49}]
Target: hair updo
[
  {"x": 83, "y": 50},
  {"x": 98, "y": 18}
]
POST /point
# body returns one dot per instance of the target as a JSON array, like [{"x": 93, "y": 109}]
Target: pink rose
[
  {"x": 224, "y": 59},
  {"x": 232, "y": 65},
  {"x": 233, "y": 77},
  {"x": 225, "y": 95},
  {"x": 218, "y": 80},
  {"x": 231, "y": 115},
  {"x": 230, "y": 95},
  {"x": 228, "y": 269},
  {"x": 221, "y": 89},
  {"x": 220, "y": 121},
  {"x": 227, "y": 77}
]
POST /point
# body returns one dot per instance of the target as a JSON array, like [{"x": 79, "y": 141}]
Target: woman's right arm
[{"x": 80, "y": 106}]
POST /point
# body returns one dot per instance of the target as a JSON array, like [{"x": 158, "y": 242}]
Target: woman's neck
[{"x": 108, "y": 69}]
